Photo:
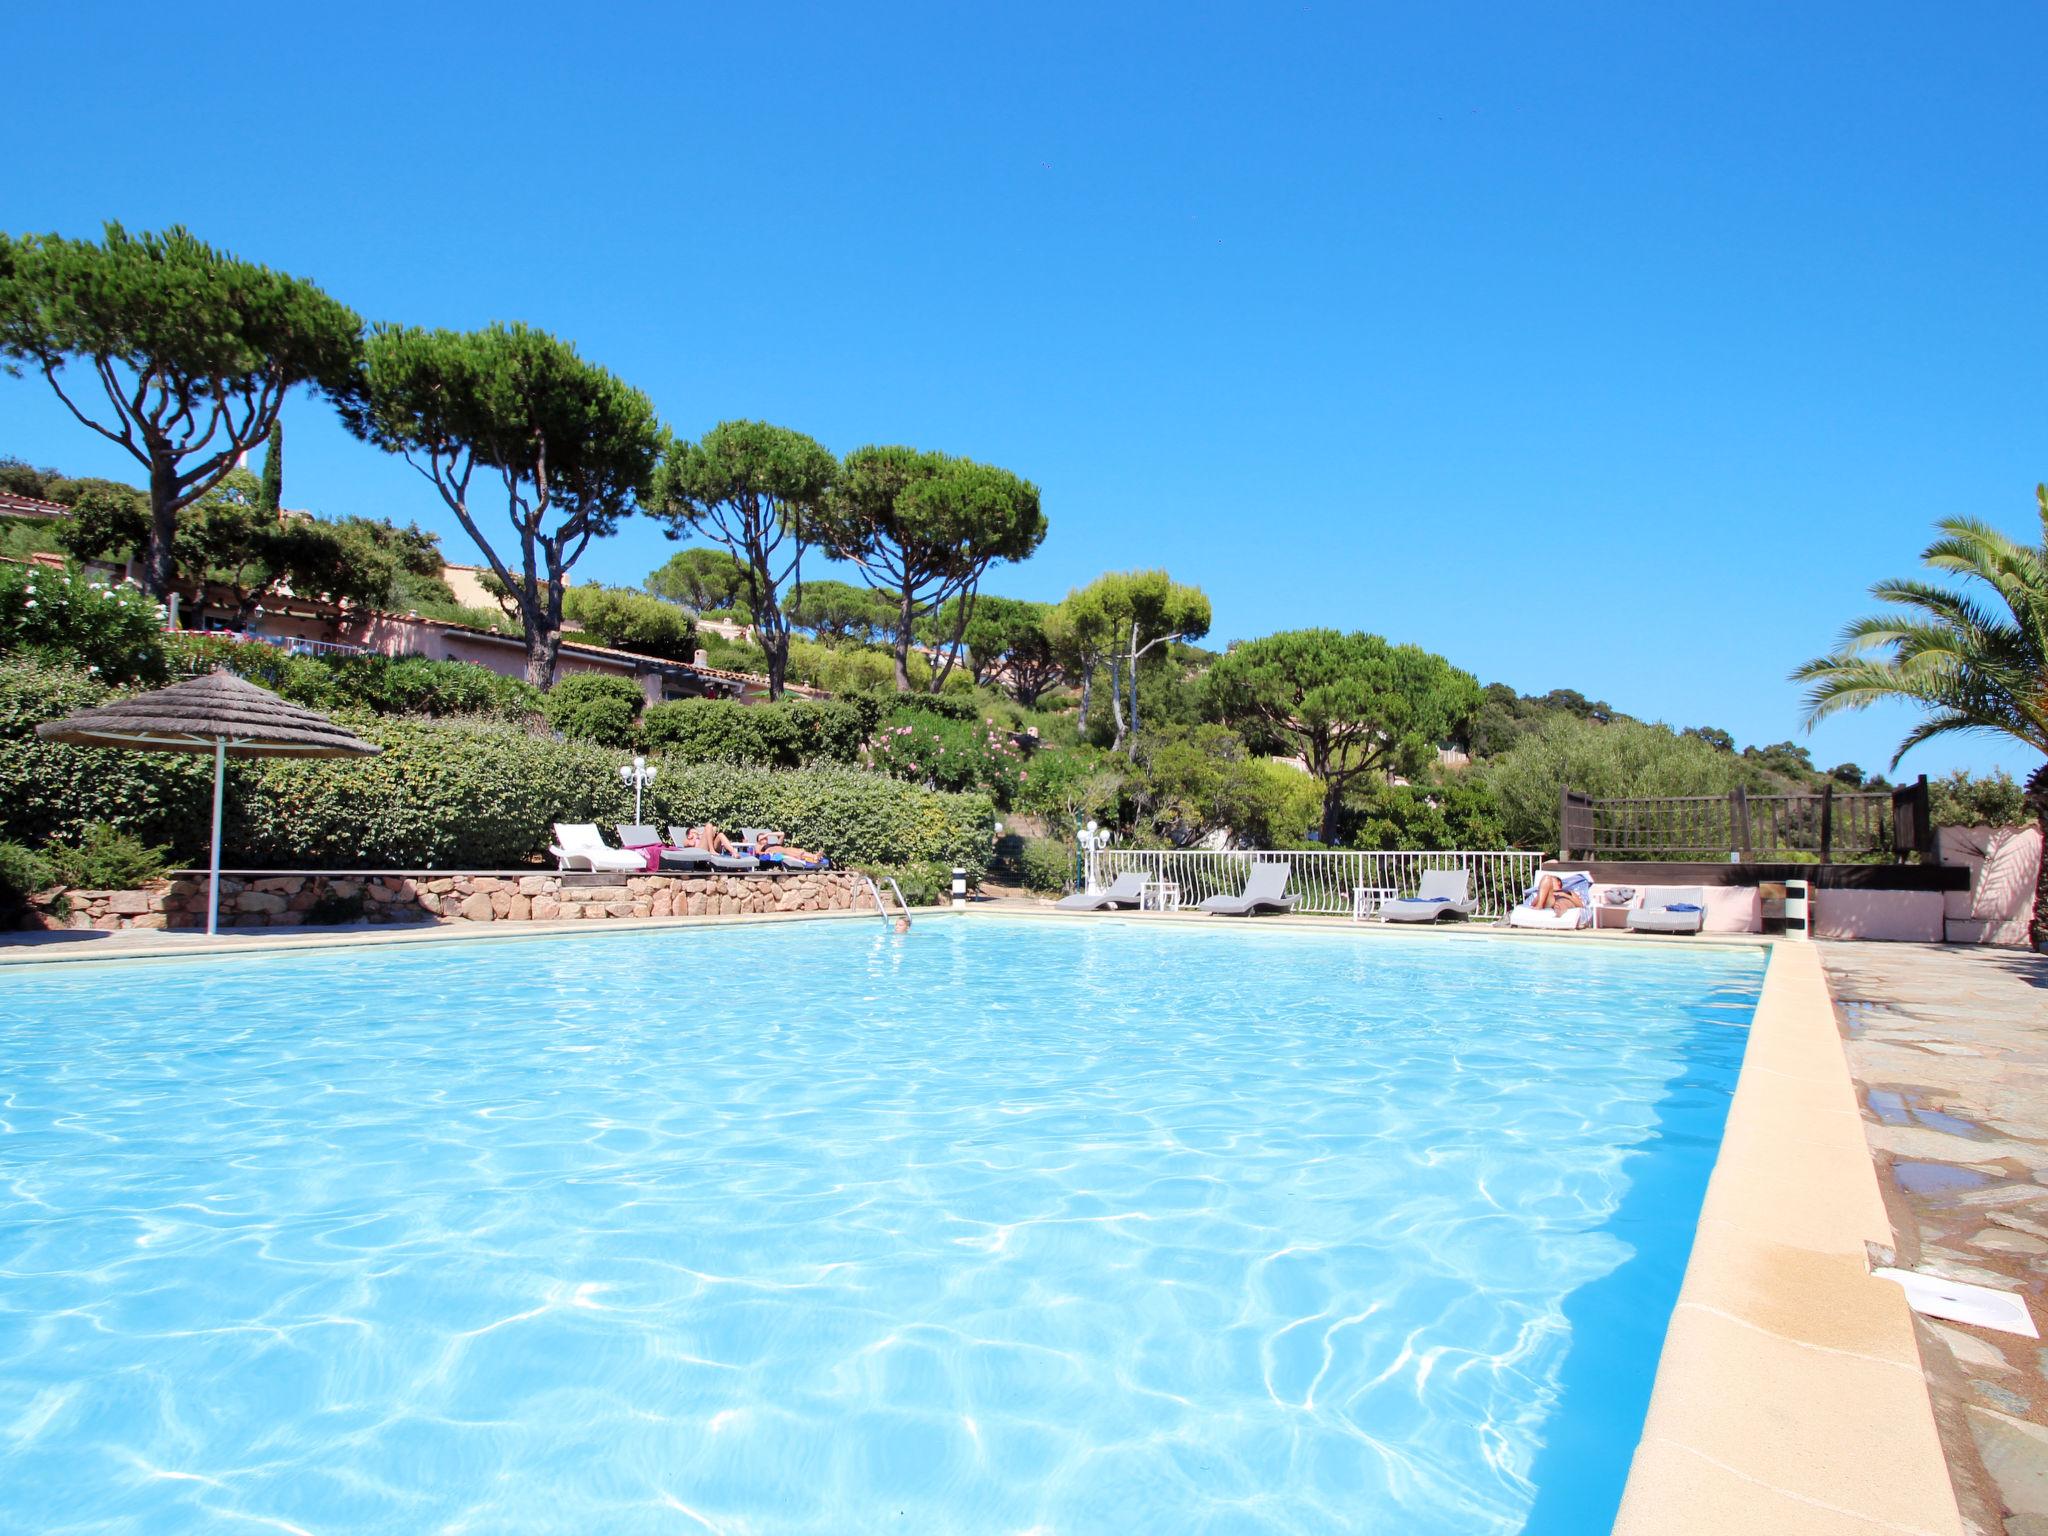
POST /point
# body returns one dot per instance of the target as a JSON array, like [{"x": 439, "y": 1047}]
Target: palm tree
[{"x": 1973, "y": 664}]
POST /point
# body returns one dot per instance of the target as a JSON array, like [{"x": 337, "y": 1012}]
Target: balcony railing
[{"x": 1325, "y": 879}]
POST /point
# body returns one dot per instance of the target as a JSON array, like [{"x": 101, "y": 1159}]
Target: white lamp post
[
  {"x": 1093, "y": 840},
  {"x": 639, "y": 775}
]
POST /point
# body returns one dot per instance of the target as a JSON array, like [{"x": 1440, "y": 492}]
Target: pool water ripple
[{"x": 1001, "y": 1227}]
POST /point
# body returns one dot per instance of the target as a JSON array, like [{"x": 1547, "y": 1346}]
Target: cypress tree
[{"x": 271, "y": 497}]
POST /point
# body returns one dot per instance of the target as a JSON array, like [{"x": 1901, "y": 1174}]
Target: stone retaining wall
[{"x": 282, "y": 901}]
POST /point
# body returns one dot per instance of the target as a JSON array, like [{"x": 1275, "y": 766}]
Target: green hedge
[
  {"x": 794, "y": 733},
  {"x": 444, "y": 794},
  {"x": 50, "y": 791},
  {"x": 390, "y": 685}
]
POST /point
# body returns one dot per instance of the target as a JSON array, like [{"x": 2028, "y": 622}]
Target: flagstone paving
[{"x": 1949, "y": 1050}]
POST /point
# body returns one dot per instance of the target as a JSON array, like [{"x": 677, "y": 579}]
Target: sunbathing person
[
  {"x": 771, "y": 844},
  {"x": 708, "y": 838},
  {"x": 1553, "y": 894}
]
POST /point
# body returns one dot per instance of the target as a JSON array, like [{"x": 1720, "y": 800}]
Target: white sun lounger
[
  {"x": 1525, "y": 916},
  {"x": 1126, "y": 890},
  {"x": 1264, "y": 891},
  {"x": 579, "y": 845},
  {"x": 1442, "y": 894}
]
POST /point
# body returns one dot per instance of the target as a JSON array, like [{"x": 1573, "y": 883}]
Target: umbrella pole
[{"x": 220, "y": 760}]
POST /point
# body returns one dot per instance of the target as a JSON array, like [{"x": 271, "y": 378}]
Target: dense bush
[
  {"x": 794, "y": 733},
  {"x": 924, "y": 884},
  {"x": 632, "y": 621},
  {"x": 413, "y": 685},
  {"x": 105, "y": 859},
  {"x": 444, "y": 794},
  {"x": 958, "y": 756},
  {"x": 1460, "y": 813},
  {"x": 23, "y": 872},
  {"x": 1620, "y": 758},
  {"x": 595, "y": 707},
  {"x": 1960, "y": 800},
  {"x": 389, "y": 685},
  {"x": 109, "y": 631},
  {"x": 48, "y": 790},
  {"x": 1047, "y": 865}
]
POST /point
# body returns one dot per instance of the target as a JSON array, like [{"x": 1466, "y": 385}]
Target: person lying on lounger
[
  {"x": 1553, "y": 894},
  {"x": 710, "y": 839},
  {"x": 771, "y": 844}
]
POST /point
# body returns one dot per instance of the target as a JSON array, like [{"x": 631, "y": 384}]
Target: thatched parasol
[{"x": 218, "y": 713}]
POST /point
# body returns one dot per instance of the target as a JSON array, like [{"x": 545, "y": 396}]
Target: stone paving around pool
[{"x": 1949, "y": 1050}]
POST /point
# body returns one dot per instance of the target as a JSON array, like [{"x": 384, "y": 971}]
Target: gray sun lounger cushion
[
  {"x": 1264, "y": 891},
  {"x": 1669, "y": 909},
  {"x": 675, "y": 856},
  {"x": 1127, "y": 890},
  {"x": 1441, "y": 894}
]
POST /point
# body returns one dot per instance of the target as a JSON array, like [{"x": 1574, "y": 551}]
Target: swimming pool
[{"x": 1004, "y": 1226}]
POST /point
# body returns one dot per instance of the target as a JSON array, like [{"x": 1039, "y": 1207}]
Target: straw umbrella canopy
[{"x": 218, "y": 713}]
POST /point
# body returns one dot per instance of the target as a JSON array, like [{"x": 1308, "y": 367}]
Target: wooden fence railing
[{"x": 1851, "y": 824}]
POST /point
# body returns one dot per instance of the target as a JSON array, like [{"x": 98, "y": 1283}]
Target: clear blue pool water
[{"x": 1003, "y": 1227}]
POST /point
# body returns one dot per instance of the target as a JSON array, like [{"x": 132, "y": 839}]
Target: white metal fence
[{"x": 1323, "y": 879}]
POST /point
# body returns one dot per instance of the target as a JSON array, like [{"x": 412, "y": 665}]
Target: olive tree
[
  {"x": 755, "y": 489},
  {"x": 1346, "y": 704},
  {"x": 923, "y": 528},
  {"x": 191, "y": 351},
  {"x": 1120, "y": 618},
  {"x": 572, "y": 447}
]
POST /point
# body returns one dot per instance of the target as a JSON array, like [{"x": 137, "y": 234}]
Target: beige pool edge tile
[{"x": 1790, "y": 1395}]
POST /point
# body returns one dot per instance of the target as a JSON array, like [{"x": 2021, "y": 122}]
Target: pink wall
[
  {"x": 1900, "y": 916},
  {"x": 2004, "y": 864}
]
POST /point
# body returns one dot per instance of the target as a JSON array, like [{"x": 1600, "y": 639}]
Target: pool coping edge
[{"x": 1789, "y": 1393}]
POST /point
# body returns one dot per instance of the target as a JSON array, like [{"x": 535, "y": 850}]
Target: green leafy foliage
[
  {"x": 1347, "y": 704},
  {"x": 107, "y": 859},
  {"x": 794, "y": 733},
  {"x": 632, "y": 621},
  {"x": 924, "y": 527},
  {"x": 1460, "y": 812},
  {"x": 595, "y": 707},
  {"x": 925, "y": 883},
  {"x": 948, "y": 754},
  {"x": 23, "y": 873},
  {"x": 703, "y": 580},
  {"x": 460, "y": 793},
  {"x": 1621, "y": 759},
  {"x": 70, "y": 617},
  {"x": 572, "y": 447},
  {"x": 1047, "y": 865},
  {"x": 191, "y": 351},
  {"x": 270, "y": 492},
  {"x": 1963, "y": 799},
  {"x": 839, "y": 613},
  {"x": 755, "y": 489},
  {"x": 51, "y": 791}
]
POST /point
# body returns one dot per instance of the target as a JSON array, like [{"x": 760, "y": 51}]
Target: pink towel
[{"x": 650, "y": 854}]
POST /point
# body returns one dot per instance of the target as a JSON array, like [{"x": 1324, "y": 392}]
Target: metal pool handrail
[
  {"x": 1323, "y": 878},
  {"x": 875, "y": 891}
]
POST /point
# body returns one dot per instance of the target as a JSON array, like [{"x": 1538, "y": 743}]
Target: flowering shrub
[
  {"x": 112, "y": 632},
  {"x": 958, "y": 756}
]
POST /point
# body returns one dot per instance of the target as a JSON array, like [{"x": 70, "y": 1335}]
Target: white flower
[{"x": 31, "y": 602}]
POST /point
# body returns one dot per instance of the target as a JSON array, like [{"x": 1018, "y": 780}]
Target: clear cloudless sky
[{"x": 1613, "y": 347}]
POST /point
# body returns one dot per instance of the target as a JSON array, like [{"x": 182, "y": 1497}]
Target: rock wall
[{"x": 284, "y": 901}]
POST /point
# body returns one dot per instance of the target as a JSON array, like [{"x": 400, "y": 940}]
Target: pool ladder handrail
[{"x": 881, "y": 910}]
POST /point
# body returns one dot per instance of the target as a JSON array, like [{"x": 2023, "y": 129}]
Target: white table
[
  {"x": 1160, "y": 896},
  {"x": 1366, "y": 900}
]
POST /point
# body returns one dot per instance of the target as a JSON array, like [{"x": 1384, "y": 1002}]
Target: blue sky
[{"x": 1612, "y": 347}]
